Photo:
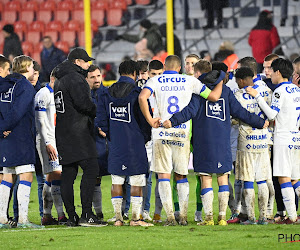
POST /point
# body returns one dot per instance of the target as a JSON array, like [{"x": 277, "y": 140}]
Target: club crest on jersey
[
  {"x": 59, "y": 102},
  {"x": 216, "y": 110},
  {"x": 120, "y": 113},
  {"x": 277, "y": 95},
  {"x": 8, "y": 96}
]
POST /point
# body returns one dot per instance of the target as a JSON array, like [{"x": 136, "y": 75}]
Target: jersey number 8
[{"x": 173, "y": 101}]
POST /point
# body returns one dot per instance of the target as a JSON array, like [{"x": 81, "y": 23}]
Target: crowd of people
[{"x": 145, "y": 124}]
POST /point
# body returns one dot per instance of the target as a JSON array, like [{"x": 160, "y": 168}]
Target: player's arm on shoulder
[
  {"x": 144, "y": 106},
  {"x": 216, "y": 93}
]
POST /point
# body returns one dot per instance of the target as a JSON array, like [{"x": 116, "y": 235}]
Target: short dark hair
[
  {"x": 271, "y": 57},
  {"x": 219, "y": 66},
  {"x": 172, "y": 61},
  {"x": 47, "y": 37},
  {"x": 36, "y": 66},
  {"x": 297, "y": 60},
  {"x": 243, "y": 72},
  {"x": 93, "y": 67},
  {"x": 54, "y": 72},
  {"x": 203, "y": 66},
  {"x": 128, "y": 67},
  {"x": 285, "y": 67},
  {"x": 155, "y": 64},
  {"x": 3, "y": 61},
  {"x": 249, "y": 62},
  {"x": 142, "y": 65}
]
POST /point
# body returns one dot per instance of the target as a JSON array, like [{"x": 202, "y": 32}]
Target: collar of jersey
[
  {"x": 50, "y": 89},
  {"x": 257, "y": 78},
  {"x": 255, "y": 86},
  {"x": 170, "y": 72},
  {"x": 283, "y": 83},
  {"x": 126, "y": 79}
]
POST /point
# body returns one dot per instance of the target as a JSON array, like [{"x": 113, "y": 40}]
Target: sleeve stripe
[
  {"x": 40, "y": 109},
  {"x": 275, "y": 108},
  {"x": 203, "y": 88},
  {"x": 146, "y": 87}
]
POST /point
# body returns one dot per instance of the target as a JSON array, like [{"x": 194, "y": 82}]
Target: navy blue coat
[
  {"x": 119, "y": 116},
  {"x": 17, "y": 116},
  {"x": 101, "y": 143},
  {"x": 211, "y": 129}
]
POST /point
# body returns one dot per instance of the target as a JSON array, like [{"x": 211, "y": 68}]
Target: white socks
[
  {"x": 4, "y": 198},
  {"x": 117, "y": 204},
  {"x": 23, "y": 200},
  {"x": 249, "y": 199},
  {"x": 136, "y": 205},
  {"x": 223, "y": 197},
  {"x": 56, "y": 196},
  {"x": 165, "y": 193},
  {"x": 288, "y": 196},
  {"x": 270, "y": 206},
  {"x": 207, "y": 196},
  {"x": 183, "y": 191},
  {"x": 263, "y": 198},
  {"x": 47, "y": 198},
  {"x": 97, "y": 199}
]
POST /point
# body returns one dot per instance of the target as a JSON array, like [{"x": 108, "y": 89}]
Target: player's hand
[
  {"x": 6, "y": 133},
  {"x": 296, "y": 79},
  {"x": 167, "y": 124},
  {"x": 101, "y": 133},
  {"x": 251, "y": 91},
  {"x": 51, "y": 152},
  {"x": 155, "y": 122},
  {"x": 266, "y": 124}
]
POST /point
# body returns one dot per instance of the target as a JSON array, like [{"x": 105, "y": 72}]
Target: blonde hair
[
  {"x": 226, "y": 45},
  {"x": 21, "y": 63}
]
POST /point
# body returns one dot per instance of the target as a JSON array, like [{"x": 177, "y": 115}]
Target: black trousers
[{"x": 69, "y": 172}]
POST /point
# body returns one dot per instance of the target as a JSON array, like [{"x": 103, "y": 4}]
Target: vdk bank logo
[
  {"x": 120, "y": 113},
  {"x": 216, "y": 110}
]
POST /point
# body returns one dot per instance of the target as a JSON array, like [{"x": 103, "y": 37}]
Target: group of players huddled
[{"x": 150, "y": 122}]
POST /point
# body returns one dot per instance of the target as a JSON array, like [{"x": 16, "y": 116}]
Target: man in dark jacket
[
  {"x": 75, "y": 135},
  {"x": 12, "y": 44},
  {"x": 120, "y": 118},
  {"x": 50, "y": 58},
  {"x": 211, "y": 140},
  {"x": 17, "y": 138}
]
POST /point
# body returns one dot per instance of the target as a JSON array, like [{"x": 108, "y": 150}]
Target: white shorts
[
  {"x": 19, "y": 169},
  {"x": 48, "y": 166},
  {"x": 211, "y": 174},
  {"x": 252, "y": 166},
  {"x": 170, "y": 155},
  {"x": 286, "y": 161},
  {"x": 134, "y": 180}
]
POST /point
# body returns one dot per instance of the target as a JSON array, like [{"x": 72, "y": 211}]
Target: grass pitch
[{"x": 157, "y": 237}]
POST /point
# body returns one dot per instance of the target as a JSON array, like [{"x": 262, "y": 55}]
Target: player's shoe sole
[
  {"x": 206, "y": 223},
  {"x": 140, "y": 223},
  {"x": 29, "y": 225},
  {"x": 249, "y": 222}
]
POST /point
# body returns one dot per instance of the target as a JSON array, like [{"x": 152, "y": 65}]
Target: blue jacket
[
  {"x": 211, "y": 129},
  {"x": 101, "y": 143},
  {"x": 17, "y": 116},
  {"x": 119, "y": 116}
]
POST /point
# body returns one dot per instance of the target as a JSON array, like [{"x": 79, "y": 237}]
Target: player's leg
[
  {"x": 270, "y": 206},
  {"x": 207, "y": 196},
  {"x": 183, "y": 197},
  {"x": 198, "y": 213},
  {"x": 147, "y": 197},
  {"x": 249, "y": 195},
  {"x": 5, "y": 188},
  {"x": 55, "y": 177},
  {"x": 158, "y": 204},
  {"x": 223, "y": 197},
  {"x": 117, "y": 197},
  {"x": 47, "y": 203},
  {"x": 263, "y": 198},
  {"x": 97, "y": 199},
  {"x": 137, "y": 182},
  {"x": 175, "y": 198}
]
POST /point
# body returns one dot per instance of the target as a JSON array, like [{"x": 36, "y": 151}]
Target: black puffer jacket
[{"x": 75, "y": 115}]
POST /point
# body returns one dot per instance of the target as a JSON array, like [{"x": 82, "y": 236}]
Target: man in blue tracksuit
[
  {"x": 211, "y": 140},
  {"x": 17, "y": 137},
  {"x": 121, "y": 120}
]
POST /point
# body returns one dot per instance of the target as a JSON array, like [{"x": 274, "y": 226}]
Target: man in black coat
[
  {"x": 12, "y": 44},
  {"x": 75, "y": 135}
]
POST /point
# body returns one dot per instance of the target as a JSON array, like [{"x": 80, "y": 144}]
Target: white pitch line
[{"x": 15, "y": 230}]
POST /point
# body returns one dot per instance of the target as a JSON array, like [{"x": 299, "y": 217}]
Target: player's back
[{"x": 286, "y": 100}]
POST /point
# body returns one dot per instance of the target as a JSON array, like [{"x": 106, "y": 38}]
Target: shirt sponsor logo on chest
[
  {"x": 216, "y": 110},
  {"x": 120, "y": 113}
]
